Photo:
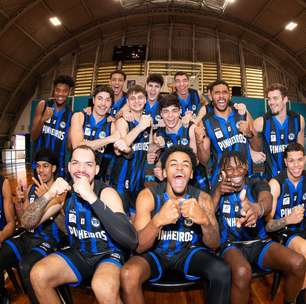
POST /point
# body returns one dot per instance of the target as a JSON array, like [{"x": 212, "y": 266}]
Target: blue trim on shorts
[
  {"x": 73, "y": 268},
  {"x": 261, "y": 256},
  {"x": 228, "y": 248},
  {"x": 290, "y": 239},
  {"x": 158, "y": 267},
  {"x": 14, "y": 248},
  {"x": 187, "y": 262},
  {"x": 41, "y": 251},
  {"x": 112, "y": 261}
]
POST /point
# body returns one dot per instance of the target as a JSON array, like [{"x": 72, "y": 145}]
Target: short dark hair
[
  {"x": 169, "y": 100},
  {"x": 84, "y": 147},
  {"x": 178, "y": 148},
  {"x": 217, "y": 82},
  {"x": 64, "y": 79},
  {"x": 236, "y": 155},
  {"x": 292, "y": 147},
  {"x": 277, "y": 86},
  {"x": 117, "y": 72},
  {"x": 48, "y": 156},
  {"x": 104, "y": 88},
  {"x": 181, "y": 73},
  {"x": 136, "y": 89},
  {"x": 158, "y": 78}
]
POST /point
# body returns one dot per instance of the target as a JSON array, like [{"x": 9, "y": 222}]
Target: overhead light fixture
[
  {"x": 55, "y": 21},
  {"x": 291, "y": 26}
]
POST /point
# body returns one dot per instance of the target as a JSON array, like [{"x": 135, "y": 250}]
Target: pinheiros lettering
[
  {"x": 277, "y": 148},
  {"x": 84, "y": 234},
  {"x": 56, "y": 133},
  {"x": 141, "y": 146},
  {"x": 228, "y": 142},
  {"x": 180, "y": 236}
]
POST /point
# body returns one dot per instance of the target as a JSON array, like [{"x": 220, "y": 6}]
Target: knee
[
  {"x": 39, "y": 275},
  {"x": 298, "y": 264},
  {"x": 106, "y": 291},
  {"x": 129, "y": 278},
  {"x": 242, "y": 276}
]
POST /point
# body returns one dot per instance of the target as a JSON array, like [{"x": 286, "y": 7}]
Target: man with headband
[{"x": 42, "y": 236}]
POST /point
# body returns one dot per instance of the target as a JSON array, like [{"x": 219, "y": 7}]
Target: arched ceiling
[{"x": 30, "y": 45}]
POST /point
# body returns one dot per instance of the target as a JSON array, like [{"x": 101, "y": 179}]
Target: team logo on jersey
[
  {"x": 273, "y": 138},
  {"x": 229, "y": 129},
  {"x": 282, "y": 136},
  {"x": 226, "y": 209},
  {"x": 304, "y": 197},
  {"x": 72, "y": 218},
  {"x": 95, "y": 222},
  {"x": 32, "y": 199},
  {"x": 184, "y": 141},
  {"x": 82, "y": 221},
  {"x": 219, "y": 134},
  {"x": 236, "y": 208},
  {"x": 62, "y": 124},
  {"x": 145, "y": 134},
  {"x": 102, "y": 134},
  {"x": 87, "y": 131},
  {"x": 291, "y": 136},
  {"x": 157, "y": 118},
  {"x": 194, "y": 107},
  {"x": 286, "y": 200}
]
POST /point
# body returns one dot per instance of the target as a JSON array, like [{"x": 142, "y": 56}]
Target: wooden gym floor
[{"x": 260, "y": 289}]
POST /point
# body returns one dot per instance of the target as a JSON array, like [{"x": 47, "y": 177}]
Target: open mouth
[
  {"x": 237, "y": 181},
  {"x": 179, "y": 179}
]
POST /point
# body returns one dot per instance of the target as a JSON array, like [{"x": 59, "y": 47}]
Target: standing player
[
  {"x": 129, "y": 169},
  {"x": 225, "y": 129},
  {"x": 7, "y": 226},
  {"x": 176, "y": 226},
  {"x": 95, "y": 130},
  {"x": 98, "y": 231},
  {"x": 241, "y": 205},
  {"x": 51, "y": 122},
  {"x": 116, "y": 80},
  {"x": 287, "y": 218},
  {"x": 44, "y": 234},
  {"x": 278, "y": 128}
]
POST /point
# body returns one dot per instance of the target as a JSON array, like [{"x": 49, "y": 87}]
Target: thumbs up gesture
[{"x": 249, "y": 212}]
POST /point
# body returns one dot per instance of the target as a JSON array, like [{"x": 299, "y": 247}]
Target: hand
[
  {"x": 58, "y": 187},
  {"x": 87, "y": 110},
  {"x": 245, "y": 128},
  {"x": 151, "y": 157},
  {"x": 128, "y": 115},
  {"x": 145, "y": 122},
  {"x": 191, "y": 209},
  {"x": 83, "y": 188},
  {"x": 21, "y": 191},
  {"x": 225, "y": 184},
  {"x": 121, "y": 145},
  {"x": 258, "y": 157},
  {"x": 168, "y": 214},
  {"x": 199, "y": 132},
  {"x": 159, "y": 141},
  {"x": 111, "y": 118},
  {"x": 296, "y": 215},
  {"x": 41, "y": 187},
  {"x": 249, "y": 212},
  {"x": 161, "y": 124},
  {"x": 158, "y": 173},
  {"x": 47, "y": 114},
  {"x": 241, "y": 108},
  {"x": 187, "y": 118}
]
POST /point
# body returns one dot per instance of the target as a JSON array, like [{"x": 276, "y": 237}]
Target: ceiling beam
[
  {"x": 14, "y": 61},
  {"x": 88, "y": 11}
]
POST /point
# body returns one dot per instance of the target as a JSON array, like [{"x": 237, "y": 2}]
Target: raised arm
[
  {"x": 300, "y": 138},
  {"x": 202, "y": 143}
]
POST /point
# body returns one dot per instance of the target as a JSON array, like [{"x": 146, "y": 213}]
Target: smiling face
[
  {"x": 102, "y": 103},
  {"x": 277, "y": 102},
  {"x": 136, "y": 101},
  {"x": 61, "y": 92},
  {"x": 117, "y": 83},
  {"x": 236, "y": 171},
  {"x": 295, "y": 163},
  {"x": 181, "y": 85},
  {"x": 220, "y": 96},
  {"x": 171, "y": 116},
  {"x": 83, "y": 164},
  {"x": 45, "y": 171},
  {"x": 178, "y": 171},
  {"x": 153, "y": 90}
]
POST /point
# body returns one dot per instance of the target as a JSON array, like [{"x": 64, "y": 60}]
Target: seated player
[
  {"x": 43, "y": 234},
  {"x": 241, "y": 205},
  {"x": 7, "y": 226},
  {"x": 176, "y": 226},
  {"x": 96, "y": 130},
  {"x": 98, "y": 232},
  {"x": 287, "y": 218}
]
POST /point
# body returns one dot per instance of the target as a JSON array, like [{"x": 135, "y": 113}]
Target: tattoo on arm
[
  {"x": 33, "y": 214},
  {"x": 275, "y": 225}
]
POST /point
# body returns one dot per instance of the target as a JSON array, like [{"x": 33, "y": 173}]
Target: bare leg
[
  {"x": 241, "y": 276},
  {"x": 291, "y": 263},
  {"x": 133, "y": 274},
  {"x": 49, "y": 273},
  {"x": 106, "y": 283}
]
